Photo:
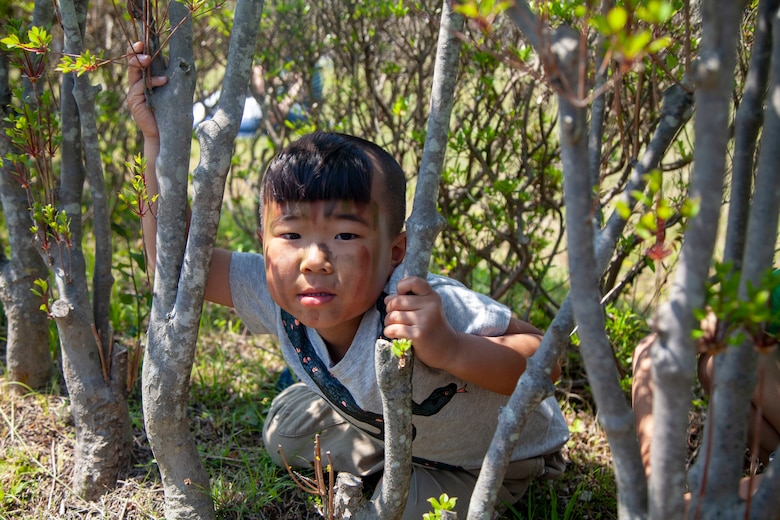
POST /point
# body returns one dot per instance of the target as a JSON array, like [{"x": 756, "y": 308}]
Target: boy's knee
[
  {"x": 296, "y": 416},
  {"x": 275, "y": 444}
]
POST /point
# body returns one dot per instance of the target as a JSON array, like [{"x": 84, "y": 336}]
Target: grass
[{"x": 232, "y": 388}]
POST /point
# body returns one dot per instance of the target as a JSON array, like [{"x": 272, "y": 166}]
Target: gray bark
[
  {"x": 747, "y": 124},
  {"x": 596, "y": 130},
  {"x": 534, "y": 385},
  {"x": 394, "y": 377},
  {"x": 767, "y": 498},
  {"x": 28, "y": 361},
  {"x": 395, "y": 384},
  {"x": 425, "y": 222},
  {"x": 736, "y": 369},
  {"x": 615, "y": 416},
  {"x": 95, "y": 380},
  {"x": 102, "y": 280},
  {"x": 182, "y": 262},
  {"x": 674, "y": 353},
  {"x": 423, "y": 226}
]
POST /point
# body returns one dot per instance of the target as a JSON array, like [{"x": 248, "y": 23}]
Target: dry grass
[
  {"x": 232, "y": 387},
  {"x": 36, "y": 438}
]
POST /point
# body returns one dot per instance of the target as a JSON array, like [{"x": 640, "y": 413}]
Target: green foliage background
[{"x": 501, "y": 189}]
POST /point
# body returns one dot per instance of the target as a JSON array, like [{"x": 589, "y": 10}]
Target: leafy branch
[
  {"x": 736, "y": 319},
  {"x": 137, "y": 198},
  {"x": 442, "y": 507},
  {"x": 41, "y": 289},
  {"x": 401, "y": 349}
]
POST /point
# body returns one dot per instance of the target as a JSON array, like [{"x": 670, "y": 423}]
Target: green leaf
[
  {"x": 39, "y": 37},
  {"x": 623, "y": 209},
  {"x": 648, "y": 221},
  {"x": 469, "y": 10},
  {"x": 761, "y": 298},
  {"x": 12, "y": 42},
  {"x": 690, "y": 208},
  {"x": 655, "y": 11},
  {"x": 400, "y": 347},
  {"x": 654, "y": 180},
  {"x": 659, "y": 44},
  {"x": 635, "y": 44},
  {"x": 616, "y": 19},
  {"x": 577, "y": 426},
  {"x": 664, "y": 211}
]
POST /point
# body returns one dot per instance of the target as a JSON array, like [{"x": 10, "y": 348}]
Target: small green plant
[
  {"x": 400, "y": 347},
  {"x": 629, "y": 42},
  {"x": 41, "y": 290},
  {"x": 34, "y": 133},
  {"x": 137, "y": 199},
  {"x": 482, "y": 13},
  {"x": 625, "y": 328},
  {"x": 653, "y": 222},
  {"x": 444, "y": 503},
  {"x": 86, "y": 62}
]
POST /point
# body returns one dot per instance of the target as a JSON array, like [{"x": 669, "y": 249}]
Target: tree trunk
[
  {"x": 28, "y": 359},
  {"x": 95, "y": 371},
  {"x": 735, "y": 373},
  {"x": 615, "y": 415},
  {"x": 747, "y": 125},
  {"x": 425, "y": 222},
  {"x": 674, "y": 353},
  {"x": 533, "y": 385},
  {"x": 171, "y": 343},
  {"x": 182, "y": 259}
]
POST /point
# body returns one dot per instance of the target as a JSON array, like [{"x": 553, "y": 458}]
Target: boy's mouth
[{"x": 315, "y": 297}]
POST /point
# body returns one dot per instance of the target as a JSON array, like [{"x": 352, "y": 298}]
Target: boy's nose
[{"x": 316, "y": 259}]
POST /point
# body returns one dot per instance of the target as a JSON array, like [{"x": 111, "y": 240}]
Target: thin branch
[
  {"x": 533, "y": 385},
  {"x": 747, "y": 124}
]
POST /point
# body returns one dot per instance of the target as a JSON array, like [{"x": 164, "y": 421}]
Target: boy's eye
[
  {"x": 290, "y": 236},
  {"x": 346, "y": 236}
]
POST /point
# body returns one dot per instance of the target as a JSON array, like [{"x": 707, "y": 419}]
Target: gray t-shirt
[{"x": 454, "y": 421}]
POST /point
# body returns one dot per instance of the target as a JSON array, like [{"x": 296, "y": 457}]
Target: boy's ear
[
  {"x": 398, "y": 251},
  {"x": 259, "y": 233}
]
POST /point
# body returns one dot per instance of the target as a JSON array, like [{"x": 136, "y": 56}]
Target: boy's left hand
[{"x": 416, "y": 313}]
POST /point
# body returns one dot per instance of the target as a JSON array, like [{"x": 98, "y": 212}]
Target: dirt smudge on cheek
[
  {"x": 272, "y": 279},
  {"x": 325, "y": 249},
  {"x": 358, "y": 265}
]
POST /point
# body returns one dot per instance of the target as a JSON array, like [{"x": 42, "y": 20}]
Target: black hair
[{"x": 333, "y": 166}]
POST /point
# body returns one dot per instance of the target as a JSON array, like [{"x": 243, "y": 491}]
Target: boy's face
[{"x": 328, "y": 261}]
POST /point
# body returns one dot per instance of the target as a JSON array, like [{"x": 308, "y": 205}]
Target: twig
[
  {"x": 103, "y": 364},
  {"x": 132, "y": 365},
  {"x": 54, "y": 472},
  {"x": 315, "y": 486},
  {"x": 707, "y": 455},
  {"x": 331, "y": 486}
]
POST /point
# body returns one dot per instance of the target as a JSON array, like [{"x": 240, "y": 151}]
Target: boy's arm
[
  {"x": 217, "y": 284},
  {"x": 492, "y": 362}
]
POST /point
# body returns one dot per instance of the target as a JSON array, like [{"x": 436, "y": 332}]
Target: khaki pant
[{"x": 297, "y": 414}]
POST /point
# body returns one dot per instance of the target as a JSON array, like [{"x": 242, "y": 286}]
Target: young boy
[{"x": 329, "y": 282}]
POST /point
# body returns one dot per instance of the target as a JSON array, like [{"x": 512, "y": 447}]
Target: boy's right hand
[{"x": 136, "y": 94}]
